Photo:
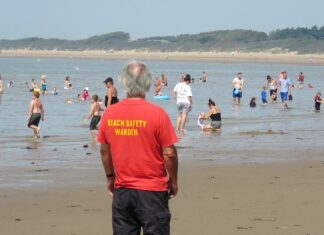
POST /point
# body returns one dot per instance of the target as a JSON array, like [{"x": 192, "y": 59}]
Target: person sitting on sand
[
  {"x": 318, "y": 100},
  {"x": 201, "y": 120},
  {"x": 36, "y": 113},
  {"x": 253, "y": 102},
  {"x": 214, "y": 115},
  {"x": 94, "y": 115}
]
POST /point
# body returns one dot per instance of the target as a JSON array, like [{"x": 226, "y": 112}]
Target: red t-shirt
[{"x": 136, "y": 131}]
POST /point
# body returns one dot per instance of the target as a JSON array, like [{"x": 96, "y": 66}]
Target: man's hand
[
  {"x": 173, "y": 189},
  {"x": 111, "y": 186}
]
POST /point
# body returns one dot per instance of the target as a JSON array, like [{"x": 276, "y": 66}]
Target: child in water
[
  {"x": 85, "y": 93},
  {"x": 201, "y": 120},
  {"x": 253, "y": 102},
  {"x": 264, "y": 95},
  {"x": 318, "y": 100},
  {"x": 94, "y": 115},
  {"x": 274, "y": 97}
]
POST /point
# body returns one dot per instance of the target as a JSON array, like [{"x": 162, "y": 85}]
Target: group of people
[
  {"x": 283, "y": 85},
  {"x": 137, "y": 141}
]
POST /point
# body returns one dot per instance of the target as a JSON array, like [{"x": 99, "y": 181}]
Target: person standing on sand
[
  {"x": 111, "y": 95},
  {"x": 238, "y": 84},
  {"x": 139, "y": 158},
  {"x": 36, "y": 113},
  {"x": 183, "y": 95},
  {"x": 284, "y": 86},
  {"x": 94, "y": 115}
]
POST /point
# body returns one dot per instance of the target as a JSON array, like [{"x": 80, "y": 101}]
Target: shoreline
[{"x": 217, "y": 57}]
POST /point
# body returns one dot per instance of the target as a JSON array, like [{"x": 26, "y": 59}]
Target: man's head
[
  {"x": 187, "y": 78},
  {"x": 36, "y": 94},
  {"x": 284, "y": 74},
  {"x": 109, "y": 81},
  {"x": 239, "y": 75},
  {"x": 136, "y": 78}
]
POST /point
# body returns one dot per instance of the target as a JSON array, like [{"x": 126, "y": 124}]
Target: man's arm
[
  {"x": 31, "y": 107},
  {"x": 171, "y": 164},
  {"x": 108, "y": 166}
]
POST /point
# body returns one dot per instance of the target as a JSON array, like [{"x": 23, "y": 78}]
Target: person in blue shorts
[
  {"x": 264, "y": 95},
  {"x": 284, "y": 86},
  {"x": 238, "y": 84}
]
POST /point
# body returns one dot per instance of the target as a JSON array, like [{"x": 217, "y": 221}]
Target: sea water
[{"x": 64, "y": 133}]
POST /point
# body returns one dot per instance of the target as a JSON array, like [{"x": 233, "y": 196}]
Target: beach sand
[
  {"x": 221, "y": 57},
  {"x": 214, "y": 198}
]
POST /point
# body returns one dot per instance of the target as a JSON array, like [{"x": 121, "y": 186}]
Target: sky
[{"x": 80, "y": 19}]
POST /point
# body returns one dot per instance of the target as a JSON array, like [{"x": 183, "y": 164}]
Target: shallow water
[{"x": 64, "y": 132}]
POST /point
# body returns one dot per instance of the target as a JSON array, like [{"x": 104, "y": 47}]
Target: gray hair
[{"x": 136, "y": 78}]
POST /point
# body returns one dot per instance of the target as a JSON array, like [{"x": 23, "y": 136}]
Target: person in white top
[
  {"x": 238, "y": 84},
  {"x": 183, "y": 95}
]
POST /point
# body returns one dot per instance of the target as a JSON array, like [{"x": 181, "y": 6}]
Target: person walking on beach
[
  {"x": 284, "y": 86},
  {"x": 111, "y": 94},
  {"x": 139, "y": 158},
  {"x": 183, "y": 95},
  {"x": 238, "y": 84},
  {"x": 35, "y": 114},
  {"x": 94, "y": 115}
]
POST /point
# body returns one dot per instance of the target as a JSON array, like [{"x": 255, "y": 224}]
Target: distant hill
[{"x": 301, "y": 40}]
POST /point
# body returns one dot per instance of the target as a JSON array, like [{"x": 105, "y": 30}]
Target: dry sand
[
  {"x": 222, "y": 57},
  {"x": 214, "y": 198}
]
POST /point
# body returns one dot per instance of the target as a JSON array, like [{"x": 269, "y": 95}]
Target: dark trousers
[{"x": 135, "y": 209}]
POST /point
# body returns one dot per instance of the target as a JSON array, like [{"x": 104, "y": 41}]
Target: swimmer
[
  {"x": 10, "y": 84},
  {"x": 35, "y": 114},
  {"x": 85, "y": 93},
  {"x": 214, "y": 115},
  {"x": 34, "y": 85},
  {"x": 253, "y": 102},
  {"x": 157, "y": 86},
  {"x": 94, "y": 115},
  {"x": 201, "y": 120},
  {"x": 67, "y": 83},
  {"x": 318, "y": 101},
  {"x": 43, "y": 84},
  {"x": 111, "y": 95},
  {"x": 164, "y": 81},
  {"x": 54, "y": 91}
]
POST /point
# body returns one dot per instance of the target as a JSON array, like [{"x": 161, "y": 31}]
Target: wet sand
[
  {"x": 214, "y": 197},
  {"x": 221, "y": 57}
]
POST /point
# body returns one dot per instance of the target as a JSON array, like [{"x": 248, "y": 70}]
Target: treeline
[{"x": 301, "y": 40}]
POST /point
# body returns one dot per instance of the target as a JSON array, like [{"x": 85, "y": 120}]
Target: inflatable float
[{"x": 161, "y": 97}]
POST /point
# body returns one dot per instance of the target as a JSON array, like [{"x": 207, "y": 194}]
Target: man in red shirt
[{"x": 138, "y": 154}]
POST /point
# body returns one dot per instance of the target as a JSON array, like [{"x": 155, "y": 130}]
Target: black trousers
[{"x": 135, "y": 209}]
